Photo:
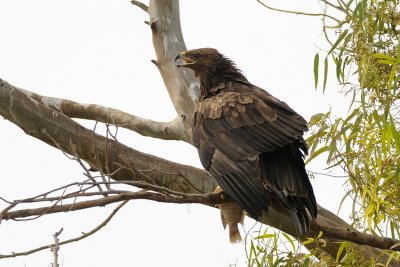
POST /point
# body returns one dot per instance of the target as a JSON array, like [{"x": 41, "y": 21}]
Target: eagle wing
[{"x": 239, "y": 133}]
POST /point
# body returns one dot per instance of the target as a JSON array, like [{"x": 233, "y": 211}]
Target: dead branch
[
  {"x": 208, "y": 199},
  {"x": 83, "y": 236},
  {"x": 56, "y": 247}
]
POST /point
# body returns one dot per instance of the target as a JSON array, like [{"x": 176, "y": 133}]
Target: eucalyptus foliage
[{"x": 365, "y": 144}]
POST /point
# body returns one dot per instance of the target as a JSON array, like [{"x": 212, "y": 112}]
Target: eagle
[{"x": 250, "y": 142}]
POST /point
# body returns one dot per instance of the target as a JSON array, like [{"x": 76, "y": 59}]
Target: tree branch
[
  {"x": 209, "y": 199},
  {"x": 115, "y": 159},
  {"x": 56, "y": 247},
  {"x": 140, "y": 5},
  {"x": 173, "y": 130},
  {"x": 168, "y": 41},
  {"x": 84, "y": 235},
  {"x": 299, "y": 12}
]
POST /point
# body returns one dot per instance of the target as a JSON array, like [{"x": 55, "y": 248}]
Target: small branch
[
  {"x": 84, "y": 235},
  {"x": 299, "y": 12},
  {"x": 326, "y": 2},
  {"x": 140, "y": 5},
  {"x": 208, "y": 199},
  {"x": 56, "y": 247}
]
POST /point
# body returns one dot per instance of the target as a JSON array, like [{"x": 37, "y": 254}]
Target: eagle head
[
  {"x": 210, "y": 66},
  {"x": 202, "y": 61}
]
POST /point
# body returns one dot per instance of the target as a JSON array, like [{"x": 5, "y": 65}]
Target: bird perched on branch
[{"x": 249, "y": 141}]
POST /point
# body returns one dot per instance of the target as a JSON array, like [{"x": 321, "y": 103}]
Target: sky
[{"x": 99, "y": 51}]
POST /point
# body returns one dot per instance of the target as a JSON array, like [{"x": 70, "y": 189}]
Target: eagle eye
[{"x": 196, "y": 56}]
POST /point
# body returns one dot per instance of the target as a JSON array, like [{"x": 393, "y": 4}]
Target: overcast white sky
[{"x": 99, "y": 51}]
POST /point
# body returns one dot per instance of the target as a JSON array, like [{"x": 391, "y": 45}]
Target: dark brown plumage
[{"x": 250, "y": 141}]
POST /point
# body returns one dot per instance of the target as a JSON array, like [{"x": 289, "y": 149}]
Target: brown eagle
[{"x": 249, "y": 141}]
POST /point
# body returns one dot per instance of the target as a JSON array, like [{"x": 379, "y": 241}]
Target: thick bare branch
[
  {"x": 173, "y": 130},
  {"x": 168, "y": 42},
  {"x": 100, "y": 153}
]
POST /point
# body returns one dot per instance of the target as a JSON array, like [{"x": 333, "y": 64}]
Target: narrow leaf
[
  {"x": 383, "y": 56},
  {"x": 316, "y": 153},
  {"x": 325, "y": 73},
  {"x": 391, "y": 77},
  {"x": 340, "y": 250},
  {"x": 316, "y": 63},
  {"x": 341, "y": 36}
]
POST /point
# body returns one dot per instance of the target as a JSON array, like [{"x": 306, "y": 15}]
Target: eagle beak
[{"x": 187, "y": 60}]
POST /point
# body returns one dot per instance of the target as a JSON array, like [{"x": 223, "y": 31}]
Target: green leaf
[
  {"x": 391, "y": 77},
  {"x": 346, "y": 41},
  {"x": 290, "y": 240},
  {"x": 383, "y": 56},
  {"x": 320, "y": 234},
  {"x": 391, "y": 257},
  {"x": 308, "y": 241},
  {"x": 316, "y": 153},
  {"x": 332, "y": 150},
  {"x": 316, "y": 63},
  {"x": 355, "y": 112},
  {"x": 325, "y": 73},
  {"x": 338, "y": 62},
  {"x": 265, "y": 236},
  {"x": 341, "y": 36},
  {"x": 359, "y": 11},
  {"x": 340, "y": 250},
  {"x": 316, "y": 118},
  {"x": 386, "y": 62}
]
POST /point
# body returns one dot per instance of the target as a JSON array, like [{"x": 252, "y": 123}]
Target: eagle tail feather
[{"x": 285, "y": 176}]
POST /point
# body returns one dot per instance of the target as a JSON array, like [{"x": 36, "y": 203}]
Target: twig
[
  {"x": 298, "y": 12},
  {"x": 141, "y": 5},
  {"x": 103, "y": 176},
  {"x": 84, "y": 235},
  {"x": 332, "y": 5},
  {"x": 56, "y": 247},
  {"x": 329, "y": 175}
]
